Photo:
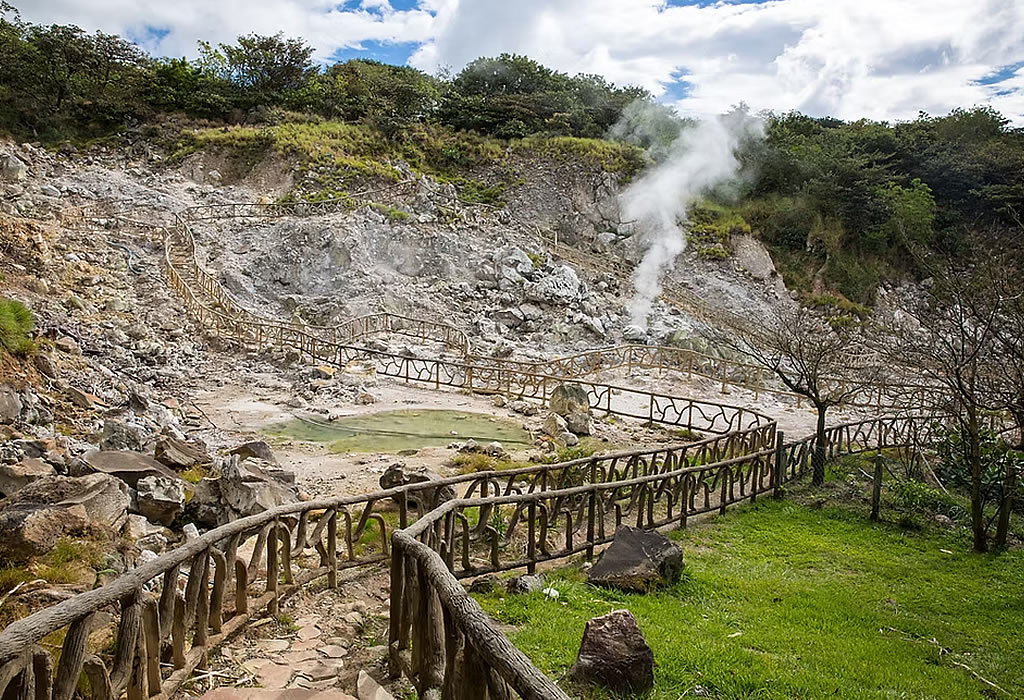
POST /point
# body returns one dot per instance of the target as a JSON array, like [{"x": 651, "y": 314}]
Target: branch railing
[{"x": 438, "y": 636}]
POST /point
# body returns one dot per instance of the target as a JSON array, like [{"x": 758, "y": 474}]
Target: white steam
[{"x": 702, "y": 157}]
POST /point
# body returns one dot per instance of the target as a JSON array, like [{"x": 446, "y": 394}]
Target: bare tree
[
  {"x": 1006, "y": 295},
  {"x": 810, "y": 355}
]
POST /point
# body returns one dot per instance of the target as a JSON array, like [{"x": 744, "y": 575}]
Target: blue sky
[{"x": 879, "y": 59}]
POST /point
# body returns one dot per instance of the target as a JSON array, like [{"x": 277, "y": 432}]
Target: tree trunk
[
  {"x": 977, "y": 504},
  {"x": 818, "y": 458},
  {"x": 1009, "y": 488}
]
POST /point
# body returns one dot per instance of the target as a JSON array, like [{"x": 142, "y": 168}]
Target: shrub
[{"x": 16, "y": 322}]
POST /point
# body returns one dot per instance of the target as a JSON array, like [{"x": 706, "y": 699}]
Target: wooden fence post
[
  {"x": 779, "y": 473},
  {"x": 876, "y": 489}
]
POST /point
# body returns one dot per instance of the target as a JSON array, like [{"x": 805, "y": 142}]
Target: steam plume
[{"x": 702, "y": 157}]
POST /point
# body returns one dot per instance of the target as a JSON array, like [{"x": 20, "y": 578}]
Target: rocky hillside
[{"x": 102, "y": 448}]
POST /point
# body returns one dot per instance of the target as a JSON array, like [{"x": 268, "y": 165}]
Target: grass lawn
[{"x": 782, "y": 600}]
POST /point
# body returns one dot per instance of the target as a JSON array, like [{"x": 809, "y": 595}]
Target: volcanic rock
[
  {"x": 614, "y": 654},
  {"x": 637, "y": 561}
]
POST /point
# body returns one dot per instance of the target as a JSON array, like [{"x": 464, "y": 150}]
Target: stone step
[
  {"x": 274, "y": 694},
  {"x": 369, "y": 689}
]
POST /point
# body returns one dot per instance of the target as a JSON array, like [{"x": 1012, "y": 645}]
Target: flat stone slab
[
  {"x": 279, "y": 694},
  {"x": 369, "y": 689}
]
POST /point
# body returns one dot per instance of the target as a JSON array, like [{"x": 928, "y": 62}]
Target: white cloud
[{"x": 883, "y": 59}]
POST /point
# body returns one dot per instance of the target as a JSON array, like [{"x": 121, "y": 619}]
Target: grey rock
[
  {"x": 30, "y": 529},
  {"x": 554, "y": 425},
  {"x": 562, "y": 286},
  {"x": 160, "y": 498},
  {"x": 12, "y": 168},
  {"x": 10, "y": 404},
  {"x": 398, "y": 474},
  {"x": 634, "y": 334},
  {"x": 569, "y": 398},
  {"x": 178, "y": 455},
  {"x": 527, "y": 583},
  {"x": 615, "y": 655},
  {"x": 247, "y": 489},
  {"x": 484, "y": 584},
  {"x": 118, "y": 435},
  {"x": 27, "y": 522},
  {"x": 580, "y": 422},
  {"x": 256, "y": 448},
  {"x": 637, "y": 561},
  {"x": 49, "y": 191},
  {"x": 14, "y": 477},
  {"x": 129, "y": 467}
]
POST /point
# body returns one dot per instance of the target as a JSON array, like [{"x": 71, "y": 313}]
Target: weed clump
[{"x": 16, "y": 323}]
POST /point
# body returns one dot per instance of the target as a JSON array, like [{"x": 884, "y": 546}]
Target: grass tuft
[{"x": 16, "y": 322}]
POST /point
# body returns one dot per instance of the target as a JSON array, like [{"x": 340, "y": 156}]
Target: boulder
[
  {"x": 634, "y": 334},
  {"x": 256, "y": 448},
  {"x": 398, "y": 474},
  {"x": 615, "y": 655},
  {"x": 247, "y": 490},
  {"x": 31, "y": 529},
  {"x": 40, "y": 513},
  {"x": 554, "y": 425},
  {"x": 527, "y": 583},
  {"x": 44, "y": 363},
  {"x": 14, "y": 477},
  {"x": 637, "y": 561},
  {"x": 118, "y": 435},
  {"x": 160, "y": 498},
  {"x": 129, "y": 467},
  {"x": 562, "y": 286},
  {"x": 178, "y": 454},
  {"x": 10, "y": 404},
  {"x": 12, "y": 168},
  {"x": 81, "y": 398},
  {"x": 579, "y": 422},
  {"x": 206, "y": 507},
  {"x": 569, "y": 398}
]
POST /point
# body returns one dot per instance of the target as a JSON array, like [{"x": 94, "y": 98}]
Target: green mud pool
[{"x": 394, "y": 431}]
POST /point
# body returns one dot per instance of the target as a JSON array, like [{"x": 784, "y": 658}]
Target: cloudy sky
[{"x": 880, "y": 59}]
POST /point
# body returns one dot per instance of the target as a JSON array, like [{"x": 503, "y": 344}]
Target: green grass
[
  {"x": 16, "y": 323},
  {"x": 609, "y": 156},
  {"x": 781, "y": 600}
]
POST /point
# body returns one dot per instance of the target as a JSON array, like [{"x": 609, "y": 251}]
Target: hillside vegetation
[{"x": 843, "y": 206}]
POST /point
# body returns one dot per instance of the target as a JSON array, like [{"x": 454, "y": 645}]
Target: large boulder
[
  {"x": 554, "y": 425},
  {"x": 562, "y": 286},
  {"x": 129, "y": 467},
  {"x": 40, "y": 513},
  {"x": 580, "y": 423},
  {"x": 257, "y": 448},
  {"x": 12, "y": 168},
  {"x": 32, "y": 529},
  {"x": 118, "y": 435},
  {"x": 398, "y": 474},
  {"x": 10, "y": 404},
  {"x": 637, "y": 561},
  {"x": 569, "y": 398},
  {"x": 247, "y": 489},
  {"x": 615, "y": 655},
  {"x": 178, "y": 454},
  {"x": 160, "y": 498},
  {"x": 14, "y": 477}
]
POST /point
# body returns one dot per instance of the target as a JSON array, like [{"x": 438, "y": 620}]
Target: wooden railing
[
  {"x": 470, "y": 536},
  {"x": 503, "y": 519}
]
